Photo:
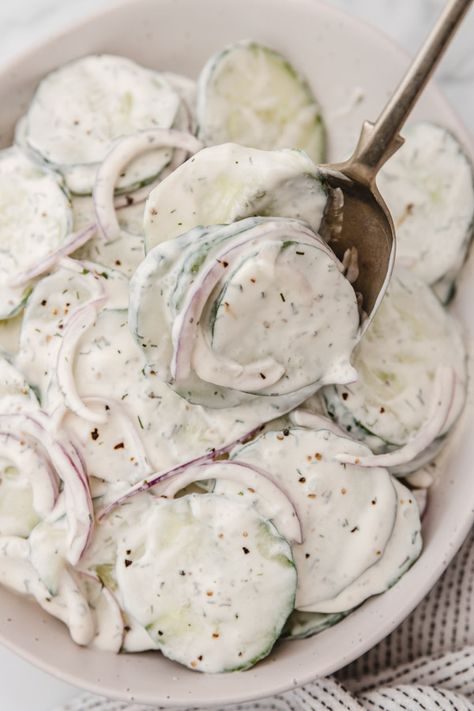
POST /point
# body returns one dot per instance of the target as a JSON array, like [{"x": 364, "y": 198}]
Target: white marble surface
[{"x": 22, "y": 22}]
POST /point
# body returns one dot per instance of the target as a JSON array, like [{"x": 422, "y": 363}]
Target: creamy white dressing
[{"x": 111, "y": 384}]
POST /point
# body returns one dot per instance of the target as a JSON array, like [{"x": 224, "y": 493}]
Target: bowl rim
[{"x": 373, "y": 635}]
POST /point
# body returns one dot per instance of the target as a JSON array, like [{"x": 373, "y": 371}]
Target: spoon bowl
[{"x": 357, "y": 217}]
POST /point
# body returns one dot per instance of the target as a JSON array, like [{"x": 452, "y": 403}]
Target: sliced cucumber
[
  {"x": 81, "y": 108},
  {"x": 344, "y": 532},
  {"x": 401, "y": 551},
  {"x": 212, "y": 581},
  {"x": 428, "y": 186},
  {"x": 250, "y": 94},
  {"x": 53, "y": 301},
  {"x": 410, "y": 337},
  {"x": 35, "y": 218},
  {"x": 193, "y": 306},
  {"x": 229, "y": 182},
  {"x": 301, "y": 625}
]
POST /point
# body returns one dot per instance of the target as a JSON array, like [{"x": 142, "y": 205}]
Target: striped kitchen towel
[{"x": 426, "y": 664}]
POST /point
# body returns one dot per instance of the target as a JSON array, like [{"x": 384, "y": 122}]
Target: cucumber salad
[{"x": 203, "y": 447}]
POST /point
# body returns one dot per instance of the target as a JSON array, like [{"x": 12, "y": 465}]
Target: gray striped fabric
[{"x": 427, "y": 664}]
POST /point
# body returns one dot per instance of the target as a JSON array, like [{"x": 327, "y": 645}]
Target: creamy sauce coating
[{"x": 106, "y": 383}]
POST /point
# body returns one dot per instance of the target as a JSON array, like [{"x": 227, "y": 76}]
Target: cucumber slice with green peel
[
  {"x": 411, "y": 336},
  {"x": 211, "y": 580},
  {"x": 35, "y": 218},
  {"x": 429, "y": 188},
  {"x": 226, "y": 183},
  {"x": 250, "y": 94},
  {"x": 403, "y": 548},
  {"x": 344, "y": 531},
  {"x": 81, "y": 108},
  {"x": 301, "y": 625},
  {"x": 52, "y": 303},
  {"x": 222, "y": 314}
]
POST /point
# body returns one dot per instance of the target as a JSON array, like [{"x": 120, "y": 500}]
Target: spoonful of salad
[{"x": 358, "y": 216}]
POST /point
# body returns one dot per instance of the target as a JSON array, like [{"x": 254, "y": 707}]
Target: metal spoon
[{"x": 365, "y": 222}]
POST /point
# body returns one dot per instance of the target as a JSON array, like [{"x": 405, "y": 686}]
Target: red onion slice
[
  {"x": 157, "y": 477},
  {"x": 73, "y": 242},
  {"x": 124, "y": 151},
  {"x": 441, "y": 403},
  {"x": 81, "y": 320},
  {"x": 78, "y": 501},
  {"x": 249, "y": 476},
  {"x": 30, "y": 461},
  {"x": 185, "y": 327}
]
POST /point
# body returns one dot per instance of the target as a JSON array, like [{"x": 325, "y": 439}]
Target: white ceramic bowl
[{"x": 343, "y": 60}]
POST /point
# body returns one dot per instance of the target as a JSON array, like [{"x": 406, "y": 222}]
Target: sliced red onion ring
[
  {"x": 157, "y": 477},
  {"x": 124, "y": 151},
  {"x": 185, "y": 328},
  {"x": 29, "y": 460},
  {"x": 441, "y": 403},
  {"x": 73, "y": 242},
  {"x": 220, "y": 371},
  {"x": 81, "y": 320},
  {"x": 248, "y": 476},
  {"x": 78, "y": 501}
]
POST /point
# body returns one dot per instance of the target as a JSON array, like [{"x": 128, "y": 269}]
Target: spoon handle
[{"x": 379, "y": 140}]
